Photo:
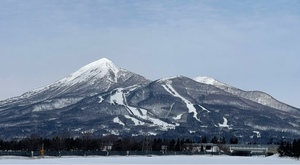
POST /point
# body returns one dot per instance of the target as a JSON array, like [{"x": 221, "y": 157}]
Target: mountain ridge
[
  {"x": 258, "y": 97},
  {"x": 103, "y": 99}
]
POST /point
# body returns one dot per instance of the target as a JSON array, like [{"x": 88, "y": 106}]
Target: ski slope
[
  {"x": 119, "y": 97},
  {"x": 191, "y": 109}
]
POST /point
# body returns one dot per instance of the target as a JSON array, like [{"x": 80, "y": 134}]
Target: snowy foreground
[{"x": 203, "y": 159}]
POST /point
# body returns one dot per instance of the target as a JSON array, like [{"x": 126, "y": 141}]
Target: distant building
[
  {"x": 107, "y": 147},
  {"x": 233, "y": 149},
  {"x": 251, "y": 149},
  {"x": 201, "y": 147},
  {"x": 164, "y": 149}
]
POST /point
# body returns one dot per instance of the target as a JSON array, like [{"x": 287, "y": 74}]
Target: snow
[
  {"x": 209, "y": 81},
  {"x": 178, "y": 117},
  {"x": 162, "y": 80},
  {"x": 88, "y": 131},
  {"x": 90, "y": 74},
  {"x": 136, "y": 121},
  {"x": 174, "y": 159},
  {"x": 192, "y": 131},
  {"x": 152, "y": 133},
  {"x": 119, "y": 97},
  {"x": 203, "y": 108},
  {"x": 225, "y": 123},
  {"x": 168, "y": 87},
  {"x": 96, "y": 69},
  {"x": 258, "y": 135},
  {"x": 101, "y": 99},
  {"x": 117, "y": 120},
  {"x": 170, "y": 110},
  {"x": 256, "y": 96},
  {"x": 77, "y": 129},
  {"x": 114, "y": 132},
  {"x": 55, "y": 104}
]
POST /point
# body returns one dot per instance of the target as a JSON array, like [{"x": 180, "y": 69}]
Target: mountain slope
[
  {"x": 96, "y": 77},
  {"x": 102, "y": 99},
  {"x": 256, "y": 96}
]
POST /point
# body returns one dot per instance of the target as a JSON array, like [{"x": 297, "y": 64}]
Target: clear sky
[{"x": 249, "y": 44}]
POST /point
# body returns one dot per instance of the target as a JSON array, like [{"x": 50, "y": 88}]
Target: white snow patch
[
  {"x": 88, "y": 131},
  {"x": 192, "y": 131},
  {"x": 203, "y": 108},
  {"x": 136, "y": 121},
  {"x": 117, "y": 120},
  {"x": 117, "y": 98},
  {"x": 210, "y": 81},
  {"x": 225, "y": 123},
  {"x": 191, "y": 109},
  {"x": 162, "y": 124},
  {"x": 101, "y": 99},
  {"x": 77, "y": 129},
  {"x": 178, "y": 117},
  {"x": 170, "y": 110},
  {"x": 144, "y": 111},
  {"x": 167, "y": 79},
  {"x": 114, "y": 132},
  {"x": 258, "y": 135},
  {"x": 152, "y": 133}
]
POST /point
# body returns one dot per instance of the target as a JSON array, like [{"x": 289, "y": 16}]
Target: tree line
[
  {"x": 88, "y": 143},
  {"x": 291, "y": 149}
]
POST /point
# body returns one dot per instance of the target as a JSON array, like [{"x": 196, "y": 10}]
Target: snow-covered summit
[
  {"x": 96, "y": 69},
  {"x": 210, "y": 81},
  {"x": 91, "y": 79},
  {"x": 167, "y": 79},
  {"x": 103, "y": 99}
]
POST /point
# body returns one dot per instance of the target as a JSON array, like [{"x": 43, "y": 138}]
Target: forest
[
  {"x": 291, "y": 149},
  {"x": 88, "y": 143},
  {"x": 115, "y": 143}
]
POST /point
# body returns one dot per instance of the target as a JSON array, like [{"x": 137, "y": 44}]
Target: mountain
[
  {"x": 102, "y": 99},
  {"x": 256, "y": 96},
  {"x": 96, "y": 77}
]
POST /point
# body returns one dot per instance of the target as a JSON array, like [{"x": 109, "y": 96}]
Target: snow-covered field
[{"x": 204, "y": 159}]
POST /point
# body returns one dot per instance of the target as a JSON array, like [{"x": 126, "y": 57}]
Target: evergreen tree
[
  {"x": 177, "y": 145},
  {"x": 204, "y": 139},
  {"x": 171, "y": 145},
  {"x": 222, "y": 140},
  {"x": 296, "y": 148},
  {"x": 233, "y": 140},
  {"x": 214, "y": 140},
  {"x": 156, "y": 144}
]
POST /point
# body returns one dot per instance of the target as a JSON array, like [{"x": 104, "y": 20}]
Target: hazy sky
[{"x": 249, "y": 44}]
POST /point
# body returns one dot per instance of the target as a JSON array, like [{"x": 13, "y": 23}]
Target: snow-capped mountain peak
[
  {"x": 210, "y": 81},
  {"x": 167, "y": 79},
  {"x": 93, "y": 78},
  {"x": 96, "y": 69},
  {"x": 108, "y": 100}
]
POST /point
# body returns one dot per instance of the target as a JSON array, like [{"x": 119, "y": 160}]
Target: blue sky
[{"x": 249, "y": 44}]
